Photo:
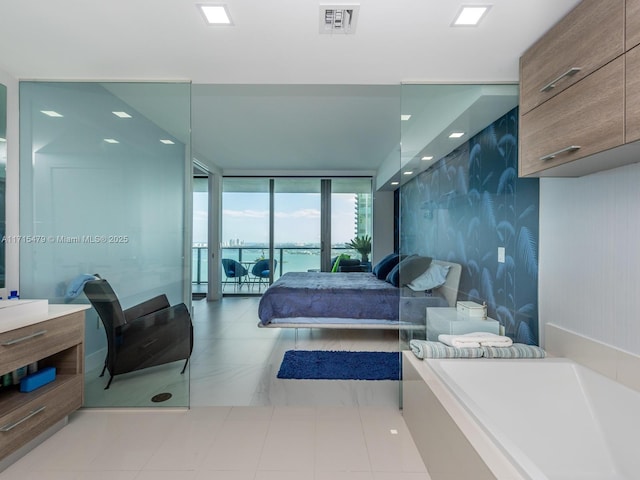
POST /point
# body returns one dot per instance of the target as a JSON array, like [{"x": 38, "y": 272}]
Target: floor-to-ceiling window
[
  {"x": 105, "y": 181},
  {"x": 280, "y": 221}
]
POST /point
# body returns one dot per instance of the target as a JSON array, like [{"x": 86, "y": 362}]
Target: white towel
[{"x": 475, "y": 340}]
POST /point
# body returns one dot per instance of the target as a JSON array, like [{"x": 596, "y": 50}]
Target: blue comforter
[{"x": 349, "y": 295}]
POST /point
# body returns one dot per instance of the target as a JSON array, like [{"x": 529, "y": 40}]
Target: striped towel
[
  {"x": 427, "y": 349},
  {"x": 517, "y": 350}
]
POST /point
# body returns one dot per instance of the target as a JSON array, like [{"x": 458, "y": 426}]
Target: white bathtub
[{"x": 538, "y": 419}]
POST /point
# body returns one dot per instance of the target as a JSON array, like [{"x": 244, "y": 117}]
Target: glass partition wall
[
  {"x": 105, "y": 177},
  {"x": 461, "y": 201}
]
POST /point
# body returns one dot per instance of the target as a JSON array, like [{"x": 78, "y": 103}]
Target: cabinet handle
[
  {"x": 553, "y": 155},
  {"x": 552, "y": 84},
  {"x": 10, "y": 426},
  {"x": 22, "y": 339}
]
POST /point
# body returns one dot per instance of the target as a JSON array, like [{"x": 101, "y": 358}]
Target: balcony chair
[
  {"x": 234, "y": 271},
  {"x": 145, "y": 335},
  {"x": 261, "y": 271}
]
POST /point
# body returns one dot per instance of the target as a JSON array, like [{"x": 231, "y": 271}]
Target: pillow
[
  {"x": 408, "y": 269},
  {"x": 384, "y": 266},
  {"x": 434, "y": 277}
]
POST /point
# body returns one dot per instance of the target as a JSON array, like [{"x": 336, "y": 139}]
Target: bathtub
[{"x": 520, "y": 419}]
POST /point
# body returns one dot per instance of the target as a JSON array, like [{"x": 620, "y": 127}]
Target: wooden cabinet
[
  {"x": 591, "y": 114},
  {"x": 585, "y": 119},
  {"x": 632, "y": 105},
  {"x": 588, "y": 37},
  {"x": 56, "y": 340},
  {"x": 633, "y": 24}
]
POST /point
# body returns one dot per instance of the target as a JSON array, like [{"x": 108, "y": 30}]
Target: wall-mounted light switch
[{"x": 500, "y": 254}]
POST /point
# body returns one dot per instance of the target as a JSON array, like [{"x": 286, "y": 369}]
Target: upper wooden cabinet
[
  {"x": 633, "y": 24},
  {"x": 632, "y": 100},
  {"x": 583, "y": 120},
  {"x": 588, "y": 37}
]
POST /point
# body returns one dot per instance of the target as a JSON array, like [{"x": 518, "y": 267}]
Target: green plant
[{"x": 362, "y": 245}]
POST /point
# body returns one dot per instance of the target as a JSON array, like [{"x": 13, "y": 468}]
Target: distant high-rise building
[{"x": 363, "y": 214}]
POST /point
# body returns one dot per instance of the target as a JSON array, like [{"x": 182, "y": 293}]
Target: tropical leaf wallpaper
[{"x": 466, "y": 206}]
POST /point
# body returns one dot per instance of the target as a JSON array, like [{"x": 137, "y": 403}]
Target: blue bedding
[{"x": 351, "y": 297}]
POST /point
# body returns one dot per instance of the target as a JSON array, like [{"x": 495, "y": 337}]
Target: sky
[{"x": 297, "y": 217}]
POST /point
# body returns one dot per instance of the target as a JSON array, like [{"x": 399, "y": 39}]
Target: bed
[{"x": 351, "y": 300}]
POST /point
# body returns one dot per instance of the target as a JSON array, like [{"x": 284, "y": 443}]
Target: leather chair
[{"x": 145, "y": 335}]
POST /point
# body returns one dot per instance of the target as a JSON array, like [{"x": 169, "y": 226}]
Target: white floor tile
[{"x": 244, "y": 423}]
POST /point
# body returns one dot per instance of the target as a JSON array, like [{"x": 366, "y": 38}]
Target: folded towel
[
  {"x": 76, "y": 286},
  {"x": 475, "y": 340},
  {"x": 428, "y": 349},
  {"x": 517, "y": 350}
]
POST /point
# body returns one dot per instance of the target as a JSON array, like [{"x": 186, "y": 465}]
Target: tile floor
[{"x": 243, "y": 422}]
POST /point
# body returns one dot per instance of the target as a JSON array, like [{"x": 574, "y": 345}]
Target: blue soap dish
[{"x": 38, "y": 379}]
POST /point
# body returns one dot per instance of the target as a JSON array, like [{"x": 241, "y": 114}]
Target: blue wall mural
[{"x": 466, "y": 206}]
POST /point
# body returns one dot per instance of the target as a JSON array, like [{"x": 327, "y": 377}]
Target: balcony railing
[{"x": 290, "y": 259}]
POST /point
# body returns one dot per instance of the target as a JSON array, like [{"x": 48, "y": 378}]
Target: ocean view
[{"x": 290, "y": 259}]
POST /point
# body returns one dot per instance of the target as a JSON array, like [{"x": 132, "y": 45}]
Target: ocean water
[{"x": 289, "y": 259}]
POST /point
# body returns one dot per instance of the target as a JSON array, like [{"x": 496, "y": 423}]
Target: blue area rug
[{"x": 340, "y": 365}]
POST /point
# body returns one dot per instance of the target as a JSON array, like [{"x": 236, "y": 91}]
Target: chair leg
[
  {"x": 104, "y": 369},
  {"x": 185, "y": 366},
  {"x": 109, "y": 382}
]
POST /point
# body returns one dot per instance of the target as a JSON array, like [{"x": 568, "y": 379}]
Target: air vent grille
[{"x": 338, "y": 18}]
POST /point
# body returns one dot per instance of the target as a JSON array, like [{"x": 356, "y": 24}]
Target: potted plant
[{"x": 362, "y": 245}]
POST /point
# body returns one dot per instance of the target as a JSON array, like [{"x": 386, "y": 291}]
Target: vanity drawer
[
  {"x": 22, "y": 346},
  {"x": 585, "y": 119},
  {"x": 32, "y": 413}
]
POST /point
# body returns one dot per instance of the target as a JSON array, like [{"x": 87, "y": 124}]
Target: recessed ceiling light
[
  {"x": 404, "y": 118},
  {"x": 409, "y": 172},
  {"x": 395, "y": 183},
  {"x": 215, "y": 14},
  {"x": 167, "y": 142},
  {"x": 456, "y": 134},
  {"x": 111, "y": 140},
  {"x": 51, "y": 113},
  {"x": 470, "y": 15},
  {"x": 428, "y": 157},
  {"x": 121, "y": 114}
]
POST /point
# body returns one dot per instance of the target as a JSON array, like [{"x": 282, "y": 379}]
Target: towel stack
[{"x": 430, "y": 349}]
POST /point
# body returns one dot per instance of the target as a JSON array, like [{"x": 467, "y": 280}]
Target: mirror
[{"x": 3, "y": 176}]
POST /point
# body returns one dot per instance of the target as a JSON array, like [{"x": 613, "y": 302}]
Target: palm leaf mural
[
  {"x": 472, "y": 228},
  {"x": 530, "y": 210},
  {"x": 487, "y": 179},
  {"x": 505, "y": 231},
  {"x": 486, "y": 285},
  {"x": 507, "y": 181},
  {"x": 488, "y": 211},
  {"x": 508, "y": 266},
  {"x": 505, "y": 317},
  {"x": 528, "y": 310},
  {"x": 474, "y": 156},
  {"x": 473, "y": 268},
  {"x": 524, "y": 334},
  {"x": 462, "y": 251},
  {"x": 526, "y": 248},
  {"x": 462, "y": 186},
  {"x": 507, "y": 144}
]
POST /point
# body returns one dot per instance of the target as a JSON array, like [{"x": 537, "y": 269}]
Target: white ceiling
[{"x": 287, "y": 98}]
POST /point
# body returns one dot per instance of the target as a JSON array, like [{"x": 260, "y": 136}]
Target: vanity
[{"x": 51, "y": 336}]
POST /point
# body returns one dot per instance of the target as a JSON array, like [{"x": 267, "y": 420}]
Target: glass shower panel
[{"x": 105, "y": 184}]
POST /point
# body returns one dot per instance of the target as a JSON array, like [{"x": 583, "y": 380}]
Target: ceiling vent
[{"x": 338, "y": 18}]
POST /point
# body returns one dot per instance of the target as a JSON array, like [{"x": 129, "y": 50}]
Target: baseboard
[{"x": 617, "y": 364}]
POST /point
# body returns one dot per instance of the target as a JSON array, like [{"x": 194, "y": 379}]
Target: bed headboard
[{"x": 451, "y": 286}]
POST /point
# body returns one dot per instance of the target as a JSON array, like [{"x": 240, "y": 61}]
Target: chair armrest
[
  {"x": 152, "y": 305},
  {"x": 175, "y": 315}
]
